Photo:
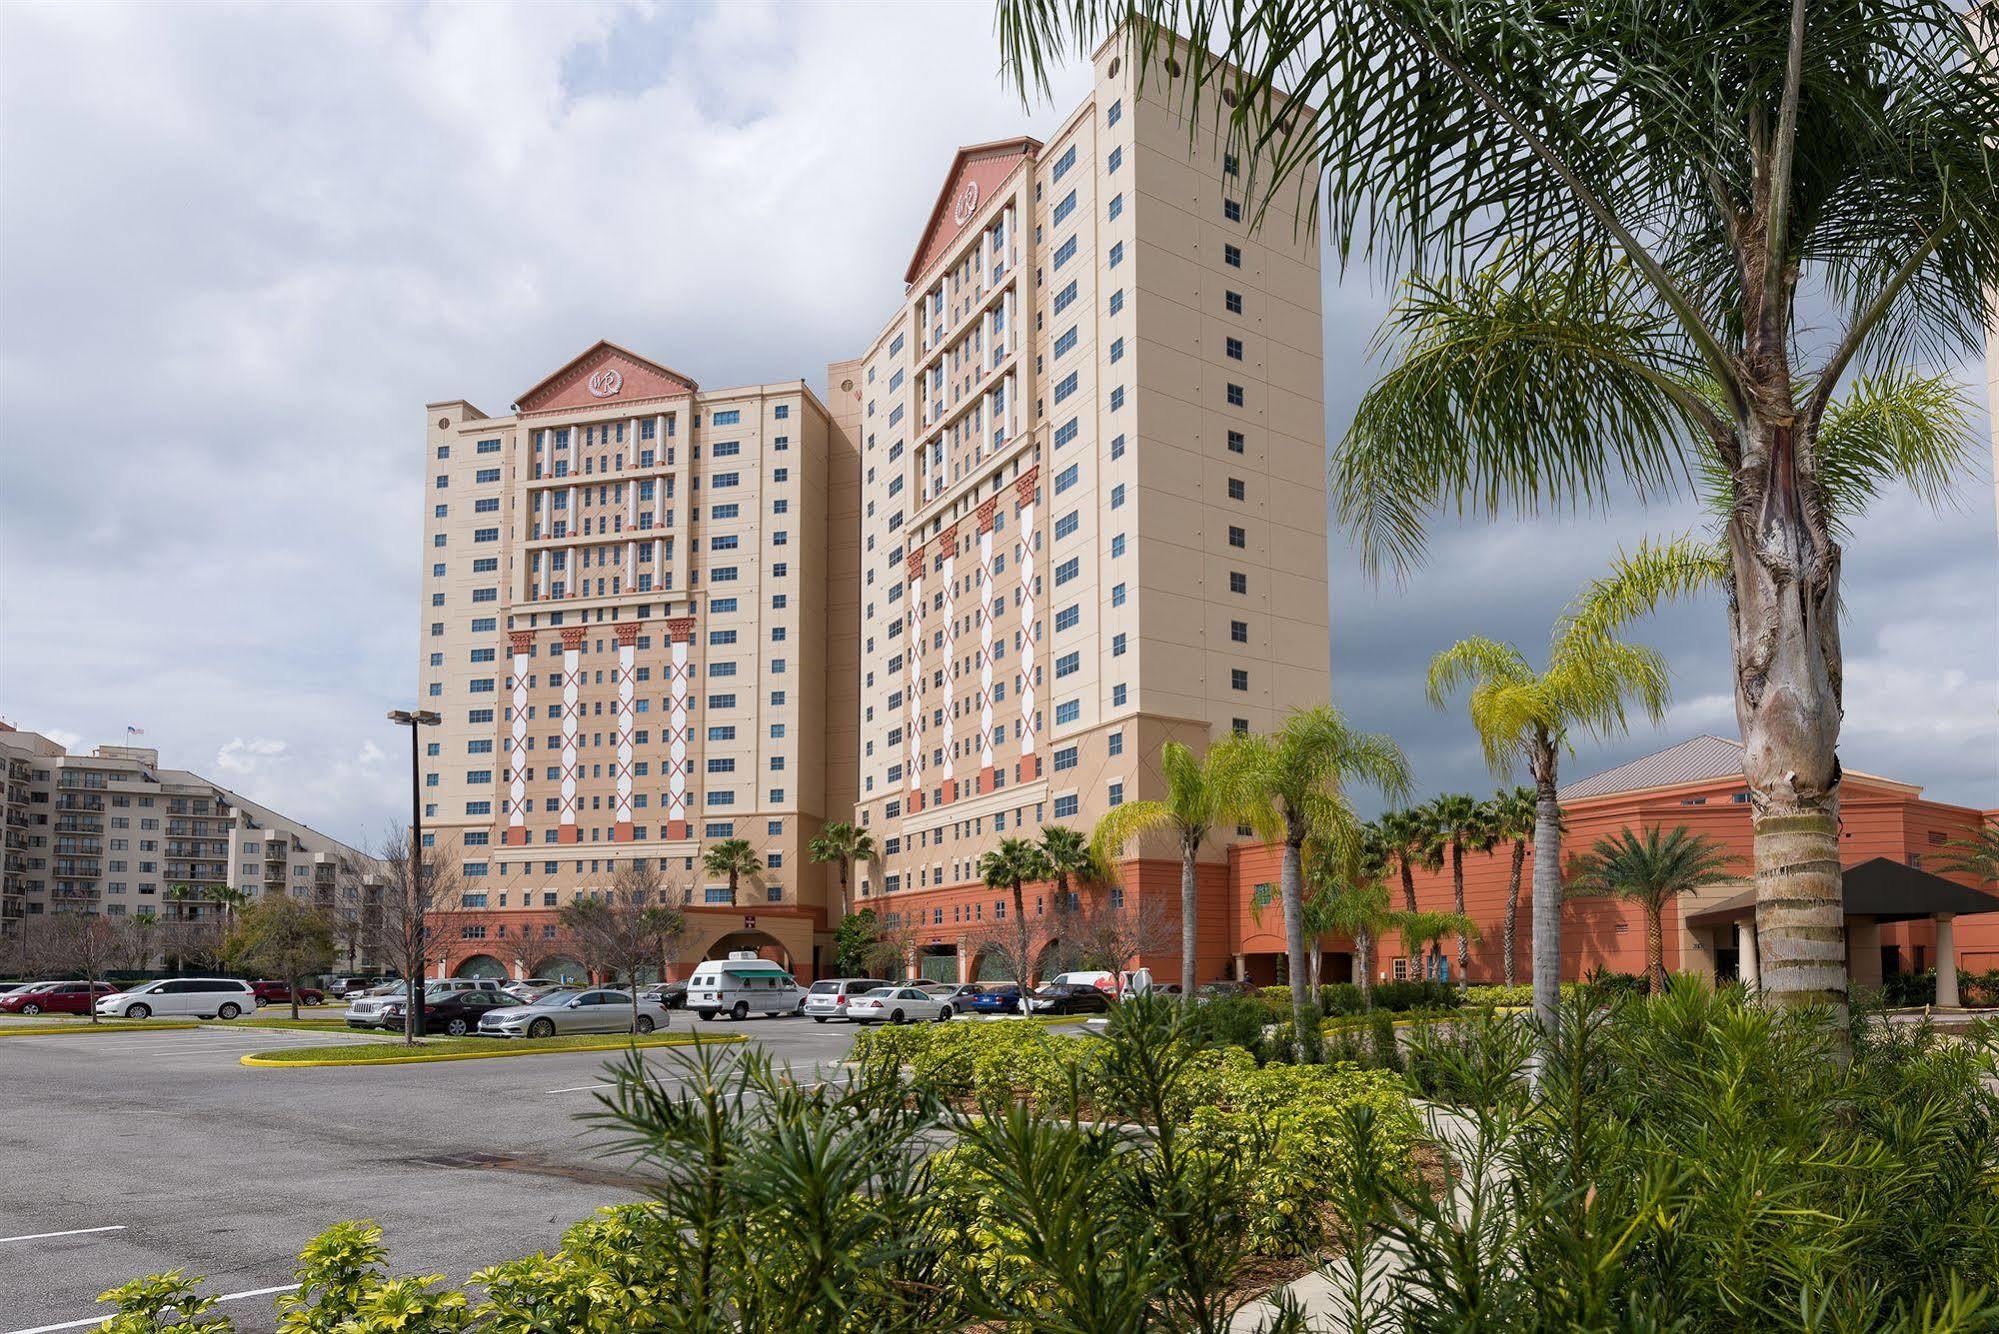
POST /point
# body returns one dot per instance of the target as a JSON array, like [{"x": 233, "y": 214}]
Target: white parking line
[
  {"x": 98, "y": 1319},
  {"x": 72, "y": 1232},
  {"x": 580, "y": 1088}
]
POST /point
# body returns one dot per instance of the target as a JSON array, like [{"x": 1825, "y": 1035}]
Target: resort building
[
  {"x": 1091, "y": 440},
  {"x": 625, "y": 630},
  {"x": 118, "y": 833}
]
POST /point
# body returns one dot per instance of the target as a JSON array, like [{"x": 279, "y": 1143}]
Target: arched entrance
[
  {"x": 765, "y": 946},
  {"x": 481, "y": 966},
  {"x": 561, "y": 968},
  {"x": 991, "y": 966},
  {"x": 937, "y": 963},
  {"x": 1048, "y": 961}
]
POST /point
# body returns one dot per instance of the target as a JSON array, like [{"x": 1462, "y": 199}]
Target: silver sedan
[{"x": 572, "y": 1011}]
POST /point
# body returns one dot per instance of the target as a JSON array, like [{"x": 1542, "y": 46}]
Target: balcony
[
  {"x": 77, "y": 801},
  {"x": 72, "y": 780},
  {"x": 76, "y": 824}
]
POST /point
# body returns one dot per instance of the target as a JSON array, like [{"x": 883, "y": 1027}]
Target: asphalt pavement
[{"x": 132, "y": 1154}]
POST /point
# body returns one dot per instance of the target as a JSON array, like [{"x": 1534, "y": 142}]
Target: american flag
[{"x": 134, "y": 731}]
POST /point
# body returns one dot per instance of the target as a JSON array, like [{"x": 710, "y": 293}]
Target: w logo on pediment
[{"x": 606, "y": 373}]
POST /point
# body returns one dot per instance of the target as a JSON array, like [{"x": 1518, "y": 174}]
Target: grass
[
  {"x": 306, "y": 1022},
  {"x": 30, "y": 1027},
  {"x": 473, "y": 1049}
]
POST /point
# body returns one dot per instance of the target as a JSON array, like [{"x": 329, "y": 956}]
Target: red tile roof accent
[{"x": 983, "y": 165}]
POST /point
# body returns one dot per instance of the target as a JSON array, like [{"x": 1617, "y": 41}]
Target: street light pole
[{"x": 415, "y": 720}]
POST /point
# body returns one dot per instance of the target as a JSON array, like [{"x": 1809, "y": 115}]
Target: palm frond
[
  {"x": 1897, "y": 426},
  {"x": 1639, "y": 581}
]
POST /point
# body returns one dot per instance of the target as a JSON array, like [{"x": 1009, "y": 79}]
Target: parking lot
[{"x": 134, "y": 1153}]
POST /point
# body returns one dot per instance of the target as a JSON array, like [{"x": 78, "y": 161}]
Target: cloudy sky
[{"x": 241, "y": 247}]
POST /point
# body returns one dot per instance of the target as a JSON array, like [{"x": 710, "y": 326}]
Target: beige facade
[
  {"x": 1091, "y": 447},
  {"x": 626, "y": 631},
  {"x": 116, "y": 832}
]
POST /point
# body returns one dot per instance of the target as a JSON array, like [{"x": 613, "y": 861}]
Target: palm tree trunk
[
  {"x": 1547, "y": 890},
  {"x": 1293, "y": 882},
  {"x": 1408, "y": 883},
  {"x": 1655, "y": 950},
  {"x": 1784, "y": 631},
  {"x": 1020, "y": 935},
  {"x": 1513, "y": 906},
  {"x": 1363, "y": 958},
  {"x": 1458, "y": 902},
  {"x": 732, "y": 890},
  {"x": 1189, "y": 905}
]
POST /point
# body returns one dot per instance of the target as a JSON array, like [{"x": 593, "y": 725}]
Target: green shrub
[
  {"x": 609, "y": 1277},
  {"x": 162, "y": 1304},
  {"x": 1500, "y": 997}
]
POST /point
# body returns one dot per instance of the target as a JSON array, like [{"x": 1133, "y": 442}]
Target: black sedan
[
  {"x": 454, "y": 1012},
  {"x": 1068, "y": 998},
  {"x": 672, "y": 995}
]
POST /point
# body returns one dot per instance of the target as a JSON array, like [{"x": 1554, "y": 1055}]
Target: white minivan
[
  {"x": 742, "y": 985},
  {"x": 201, "y": 997}
]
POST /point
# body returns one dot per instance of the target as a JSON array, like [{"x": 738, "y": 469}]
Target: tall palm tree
[
  {"x": 734, "y": 858},
  {"x": 1512, "y": 811},
  {"x": 1410, "y": 835},
  {"x": 1624, "y": 204},
  {"x": 1349, "y": 880},
  {"x": 1293, "y": 786},
  {"x": 1520, "y": 714},
  {"x": 1427, "y": 930},
  {"x": 1462, "y": 822},
  {"x": 229, "y": 900},
  {"x": 1197, "y": 798},
  {"x": 1651, "y": 872},
  {"x": 1066, "y": 852},
  {"x": 1977, "y": 856},
  {"x": 842, "y": 844},
  {"x": 1010, "y": 866}
]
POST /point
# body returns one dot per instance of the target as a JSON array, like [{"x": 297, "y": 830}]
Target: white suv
[{"x": 201, "y": 997}]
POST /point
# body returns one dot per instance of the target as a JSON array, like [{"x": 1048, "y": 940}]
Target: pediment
[
  {"x": 976, "y": 173},
  {"x": 606, "y": 374}
]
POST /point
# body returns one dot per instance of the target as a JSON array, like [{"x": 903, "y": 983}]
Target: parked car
[
  {"x": 200, "y": 997},
  {"x": 673, "y": 995},
  {"x": 828, "y": 999},
  {"x": 456, "y": 1013},
  {"x": 593, "y": 1011},
  {"x": 54, "y": 998},
  {"x": 739, "y": 987},
  {"x": 9, "y": 988},
  {"x": 951, "y": 993},
  {"x": 342, "y": 987},
  {"x": 365, "y": 1010},
  {"x": 278, "y": 992},
  {"x": 896, "y": 1005},
  {"x": 1068, "y": 998},
  {"x": 1114, "y": 984},
  {"x": 991, "y": 998}
]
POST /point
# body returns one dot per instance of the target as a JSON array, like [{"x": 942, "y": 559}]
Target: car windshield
[
  {"x": 555, "y": 998},
  {"x": 881, "y": 992},
  {"x": 824, "y": 988}
]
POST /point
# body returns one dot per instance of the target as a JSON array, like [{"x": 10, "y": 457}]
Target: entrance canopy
[{"x": 1882, "y": 889}]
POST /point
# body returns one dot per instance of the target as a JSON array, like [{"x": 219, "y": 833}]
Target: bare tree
[
  {"x": 1116, "y": 936},
  {"x": 1020, "y": 944},
  {"x": 283, "y": 936},
  {"x": 81, "y": 944},
  {"x": 404, "y": 925},
  {"x": 627, "y": 928},
  {"x": 895, "y": 938}
]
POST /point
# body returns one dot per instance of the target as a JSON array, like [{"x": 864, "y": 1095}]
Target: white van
[
  {"x": 741, "y": 985},
  {"x": 1136, "y": 983},
  {"x": 202, "y": 997}
]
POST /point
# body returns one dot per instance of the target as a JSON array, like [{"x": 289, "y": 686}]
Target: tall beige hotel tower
[{"x": 1068, "y": 504}]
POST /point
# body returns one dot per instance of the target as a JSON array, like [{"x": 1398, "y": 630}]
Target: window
[
  {"x": 1237, "y": 489},
  {"x": 1238, "y": 679},
  {"x": 1065, "y": 387},
  {"x": 1117, "y": 207},
  {"x": 781, "y": 411},
  {"x": 1115, "y": 114},
  {"x": 1117, "y": 447},
  {"x": 1117, "y": 545},
  {"x": 1117, "y": 301},
  {"x": 1117, "y": 350},
  {"x": 486, "y": 475},
  {"x": 1232, "y": 210},
  {"x": 1065, "y": 252},
  {"x": 728, "y": 417},
  {"x": 1239, "y": 632},
  {"x": 1235, "y": 442},
  {"x": 1117, "y": 595},
  {"x": 1065, "y": 759},
  {"x": 1233, "y": 347},
  {"x": 1114, "y": 744},
  {"x": 1065, "y": 432},
  {"x": 1068, "y": 665},
  {"x": 1069, "y": 617},
  {"x": 1235, "y": 396},
  {"x": 1068, "y": 712},
  {"x": 1115, "y": 161},
  {"x": 1117, "y": 255},
  {"x": 1117, "y": 496},
  {"x": 1067, "y": 570},
  {"x": 1232, "y": 256},
  {"x": 1063, "y": 163},
  {"x": 1065, "y": 208},
  {"x": 488, "y": 447},
  {"x": 1065, "y": 341},
  {"x": 1065, "y": 807},
  {"x": 1117, "y": 398},
  {"x": 1238, "y": 582},
  {"x": 1066, "y": 525},
  {"x": 723, "y": 479},
  {"x": 1065, "y": 296},
  {"x": 1118, "y": 645},
  {"x": 1065, "y": 479},
  {"x": 1238, "y": 537},
  {"x": 486, "y": 535}
]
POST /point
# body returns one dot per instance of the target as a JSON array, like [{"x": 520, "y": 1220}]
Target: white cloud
[{"x": 249, "y": 757}]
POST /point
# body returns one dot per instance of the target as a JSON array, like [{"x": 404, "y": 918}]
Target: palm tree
[
  {"x": 1350, "y": 894},
  {"x": 1009, "y": 866},
  {"x": 843, "y": 844},
  {"x": 1196, "y": 800},
  {"x": 1650, "y": 872},
  {"x": 1410, "y": 836},
  {"x": 1522, "y": 715},
  {"x": 1977, "y": 856},
  {"x": 1462, "y": 822},
  {"x": 144, "y": 923},
  {"x": 1067, "y": 853},
  {"x": 1293, "y": 786},
  {"x": 1426, "y": 931},
  {"x": 1625, "y": 203},
  {"x": 1512, "y": 811},
  {"x": 734, "y": 858},
  {"x": 229, "y": 900}
]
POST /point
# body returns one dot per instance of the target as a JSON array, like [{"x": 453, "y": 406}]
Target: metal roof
[{"x": 1701, "y": 759}]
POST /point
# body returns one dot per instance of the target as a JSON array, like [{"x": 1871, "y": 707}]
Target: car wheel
[
  {"x": 740, "y": 1012},
  {"x": 707, "y": 1016},
  {"x": 896, "y": 1018},
  {"x": 139, "y": 1012},
  {"x": 31, "y": 1009},
  {"x": 645, "y": 1023},
  {"x": 943, "y": 1013},
  {"x": 818, "y": 1018},
  {"x": 456, "y": 1028},
  {"x": 229, "y": 1011},
  {"x": 542, "y": 1028}
]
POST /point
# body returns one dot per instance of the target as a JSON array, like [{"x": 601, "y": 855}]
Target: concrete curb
[{"x": 675, "y": 1040}]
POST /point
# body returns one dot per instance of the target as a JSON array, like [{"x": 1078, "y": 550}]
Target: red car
[
  {"x": 55, "y": 998},
  {"x": 280, "y": 993}
]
